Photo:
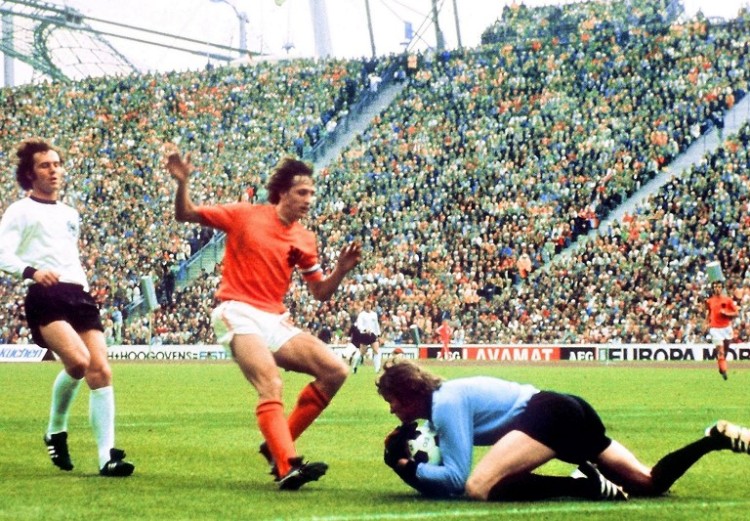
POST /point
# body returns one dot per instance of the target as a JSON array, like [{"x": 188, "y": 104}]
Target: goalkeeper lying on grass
[{"x": 525, "y": 428}]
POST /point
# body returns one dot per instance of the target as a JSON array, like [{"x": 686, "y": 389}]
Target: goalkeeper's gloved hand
[
  {"x": 397, "y": 449},
  {"x": 397, "y": 444}
]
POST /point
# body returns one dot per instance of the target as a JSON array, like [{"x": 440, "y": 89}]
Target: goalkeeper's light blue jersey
[{"x": 468, "y": 412}]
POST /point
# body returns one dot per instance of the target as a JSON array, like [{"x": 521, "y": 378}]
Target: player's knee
[
  {"x": 76, "y": 371},
  {"x": 650, "y": 484},
  {"x": 270, "y": 388},
  {"x": 99, "y": 376},
  {"x": 331, "y": 376},
  {"x": 77, "y": 365},
  {"x": 337, "y": 375},
  {"x": 275, "y": 385},
  {"x": 475, "y": 489}
]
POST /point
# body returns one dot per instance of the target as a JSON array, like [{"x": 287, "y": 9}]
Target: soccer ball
[{"x": 423, "y": 447}]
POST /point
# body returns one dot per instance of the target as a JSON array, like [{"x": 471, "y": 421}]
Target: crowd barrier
[
  {"x": 477, "y": 352},
  {"x": 21, "y": 353},
  {"x": 578, "y": 352}
]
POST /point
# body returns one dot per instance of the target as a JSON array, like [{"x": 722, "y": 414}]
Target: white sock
[
  {"x": 64, "y": 390},
  {"x": 376, "y": 357},
  {"x": 102, "y": 418}
]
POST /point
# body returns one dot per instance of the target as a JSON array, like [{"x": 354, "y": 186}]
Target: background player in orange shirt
[
  {"x": 265, "y": 243},
  {"x": 444, "y": 331},
  {"x": 721, "y": 311}
]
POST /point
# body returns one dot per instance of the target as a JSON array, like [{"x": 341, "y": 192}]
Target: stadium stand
[
  {"x": 238, "y": 121},
  {"x": 489, "y": 163}
]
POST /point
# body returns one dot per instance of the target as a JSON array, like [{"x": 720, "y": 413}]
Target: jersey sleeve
[
  {"x": 10, "y": 239},
  {"x": 221, "y": 217},
  {"x": 308, "y": 262},
  {"x": 454, "y": 426}
]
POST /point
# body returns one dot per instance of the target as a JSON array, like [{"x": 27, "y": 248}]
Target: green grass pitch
[{"x": 190, "y": 429}]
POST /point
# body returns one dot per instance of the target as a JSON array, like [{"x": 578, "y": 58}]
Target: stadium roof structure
[{"x": 60, "y": 43}]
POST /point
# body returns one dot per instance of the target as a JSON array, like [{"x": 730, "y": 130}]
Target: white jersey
[
  {"x": 42, "y": 235},
  {"x": 367, "y": 322}
]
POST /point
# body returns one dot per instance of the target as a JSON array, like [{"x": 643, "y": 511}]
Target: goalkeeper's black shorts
[{"x": 565, "y": 423}]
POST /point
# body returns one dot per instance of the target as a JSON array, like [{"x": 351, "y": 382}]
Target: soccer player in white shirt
[
  {"x": 39, "y": 243},
  {"x": 366, "y": 333}
]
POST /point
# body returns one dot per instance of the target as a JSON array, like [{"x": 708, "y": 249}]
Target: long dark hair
[
  {"x": 406, "y": 381},
  {"x": 283, "y": 175}
]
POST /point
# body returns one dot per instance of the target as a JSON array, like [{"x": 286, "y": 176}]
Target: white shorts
[
  {"x": 719, "y": 334},
  {"x": 237, "y": 318}
]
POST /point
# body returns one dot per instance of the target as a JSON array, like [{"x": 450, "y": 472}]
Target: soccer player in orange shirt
[
  {"x": 265, "y": 243},
  {"x": 721, "y": 311},
  {"x": 444, "y": 331}
]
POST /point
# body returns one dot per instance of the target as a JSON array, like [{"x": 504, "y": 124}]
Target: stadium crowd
[
  {"x": 463, "y": 192},
  {"x": 236, "y": 120},
  {"x": 489, "y": 165}
]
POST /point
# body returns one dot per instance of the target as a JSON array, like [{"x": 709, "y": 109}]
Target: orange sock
[
  {"x": 273, "y": 426},
  {"x": 721, "y": 357},
  {"x": 310, "y": 403}
]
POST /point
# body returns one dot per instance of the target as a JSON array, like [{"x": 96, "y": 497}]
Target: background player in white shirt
[{"x": 366, "y": 333}]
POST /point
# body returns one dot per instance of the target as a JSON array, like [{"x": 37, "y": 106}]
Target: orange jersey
[
  {"x": 444, "y": 331},
  {"x": 716, "y": 307},
  {"x": 261, "y": 254}
]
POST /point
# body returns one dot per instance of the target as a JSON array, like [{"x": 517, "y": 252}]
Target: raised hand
[{"x": 179, "y": 168}]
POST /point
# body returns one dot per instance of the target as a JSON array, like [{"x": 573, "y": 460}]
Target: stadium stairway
[
  {"x": 356, "y": 123},
  {"x": 706, "y": 144}
]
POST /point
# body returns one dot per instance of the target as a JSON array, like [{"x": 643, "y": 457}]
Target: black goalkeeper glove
[
  {"x": 397, "y": 444},
  {"x": 396, "y": 449}
]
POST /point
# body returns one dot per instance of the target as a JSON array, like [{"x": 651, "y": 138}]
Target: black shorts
[
  {"x": 362, "y": 339},
  {"x": 567, "y": 424},
  {"x": 63, "y": 301}
]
